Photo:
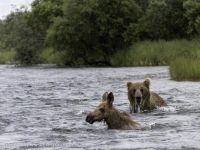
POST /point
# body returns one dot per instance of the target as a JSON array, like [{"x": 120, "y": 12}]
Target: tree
[
  {"x": 164, "y": 19},
  {"x": 29, "y": 46},
  {"x": 26, "y": 31},
  {"x": 1, "y": 33},
  {"x": 7, "y": 37},
  {"x": 16, "y": 34},
  {"x": 90, "y": 31},
  {"x": 192, "y": 13},
  {"x": 143, "y": 4},
  {"x": 43, "y": 12},
  {"x": 41, "y": 17}
]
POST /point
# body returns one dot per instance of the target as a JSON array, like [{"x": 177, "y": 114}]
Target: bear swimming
[{"x": 141, "y": 98}]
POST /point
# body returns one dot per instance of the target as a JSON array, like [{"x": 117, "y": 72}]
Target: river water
[{"x": 45, "y": 108}]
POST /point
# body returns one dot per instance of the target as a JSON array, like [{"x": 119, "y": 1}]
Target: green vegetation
[
  {"x": 183, "y": 56},
  {"x": 185, "y": 69},
  {"x": 102, "y": 32},
  {"x": 49, "y": 56},
  {"x": 90, "y": 31},
  {"x": 149, "y": 53},
  {"x": 7, "y": 57}
]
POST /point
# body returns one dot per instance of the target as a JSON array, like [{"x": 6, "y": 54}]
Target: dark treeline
[{"x": 89, "y": 32}]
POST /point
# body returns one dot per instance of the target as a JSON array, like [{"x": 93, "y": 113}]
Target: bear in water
[{"x": 141, "y": 98}]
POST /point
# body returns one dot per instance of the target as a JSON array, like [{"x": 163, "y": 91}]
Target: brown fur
[
  {"x": 141, "y": 98},
  {"x": 111, "y": 116}
]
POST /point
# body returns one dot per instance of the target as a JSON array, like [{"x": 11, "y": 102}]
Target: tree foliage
[
  {"x": 16, "y": 34},
  {"x": 92, "y": 30},
  {"x": 192, "y": 13},
  {"x": 164, "y": 19},
  {"x": 89, "y": 32}
]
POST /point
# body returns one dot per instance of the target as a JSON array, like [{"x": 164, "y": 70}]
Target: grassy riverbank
[
  {"x": 183, "y": 57},
  {"x": 156, "y": 53}
]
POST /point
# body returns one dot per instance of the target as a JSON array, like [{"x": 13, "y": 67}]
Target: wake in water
[{"x": 172, "y": 109}]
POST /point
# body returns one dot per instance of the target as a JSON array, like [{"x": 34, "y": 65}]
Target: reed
[
  {"x": 185, "y": 69},
  {"x": 156, "y": 53}
]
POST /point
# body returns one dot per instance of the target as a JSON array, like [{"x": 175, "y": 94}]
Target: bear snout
[{"x": 138, "y": 100}]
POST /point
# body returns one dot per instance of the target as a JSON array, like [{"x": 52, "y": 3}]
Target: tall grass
[
  {"x": 185, "y": 69},
  {"x": 7, "y": 57},
  {"x": 155, "y": 53},
  {"x": 183, "y": 56}
]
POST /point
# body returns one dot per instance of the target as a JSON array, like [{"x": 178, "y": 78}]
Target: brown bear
[
  {"x": 141, "y": 98},
  {"x": 111, "y": 116}
]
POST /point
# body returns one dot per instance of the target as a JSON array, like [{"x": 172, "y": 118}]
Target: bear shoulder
[{"x": 156, "y": 100}]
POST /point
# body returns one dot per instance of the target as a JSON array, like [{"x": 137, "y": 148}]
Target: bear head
[{"x": 139, "y": 95}]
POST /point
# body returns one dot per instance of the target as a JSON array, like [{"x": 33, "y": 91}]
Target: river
[{"x": 45, "y": 108}]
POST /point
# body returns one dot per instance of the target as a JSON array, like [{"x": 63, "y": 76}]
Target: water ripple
[{"x": 45, "y": 108}]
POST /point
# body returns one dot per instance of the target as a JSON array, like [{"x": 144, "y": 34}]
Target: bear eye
[
  {"x": 134, "y": 90},
  {"x": 142, "y": 90},
  {"x": 102, "y": 110}
]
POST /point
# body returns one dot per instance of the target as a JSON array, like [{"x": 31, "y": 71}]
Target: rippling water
[{"x": 45, "y": 108}]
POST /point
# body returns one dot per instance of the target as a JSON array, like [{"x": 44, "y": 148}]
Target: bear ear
[
  {"x": 110, "y": 99},
  {"x": 105, "y": 96},
  {"x": 129, "y": 85},
  {"x": 147, "y": 83}
]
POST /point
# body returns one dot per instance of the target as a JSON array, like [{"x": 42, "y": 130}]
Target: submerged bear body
[{"x": 156, "y": 101}]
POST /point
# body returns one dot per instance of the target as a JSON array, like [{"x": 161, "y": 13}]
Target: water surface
[{"x": 45, "y": 108}]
